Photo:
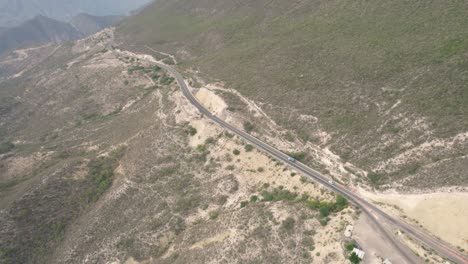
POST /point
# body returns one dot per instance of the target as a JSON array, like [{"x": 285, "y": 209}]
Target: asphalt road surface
[{"x": 380, "y": 218}]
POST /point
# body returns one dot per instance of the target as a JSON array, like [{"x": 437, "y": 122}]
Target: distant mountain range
[
  {"x": 88, "y": 24},
  {"x": 41, "y": 30},
  {"x": 16, "y": 12}
]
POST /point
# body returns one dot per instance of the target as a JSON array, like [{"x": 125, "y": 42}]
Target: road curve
[{"x": 375, "y": 214}]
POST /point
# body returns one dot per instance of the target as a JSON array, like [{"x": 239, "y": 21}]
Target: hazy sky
[{"x": 14, "y": 12}]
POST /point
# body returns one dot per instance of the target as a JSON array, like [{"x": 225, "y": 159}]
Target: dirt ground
[
  {"x": 376, "y": 247},
  {"x": 444, "y": 214}
]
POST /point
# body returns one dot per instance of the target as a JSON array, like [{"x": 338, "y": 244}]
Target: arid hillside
[
  {"x": 104, "y": 161},
  {"x": 382, "y": 84}
]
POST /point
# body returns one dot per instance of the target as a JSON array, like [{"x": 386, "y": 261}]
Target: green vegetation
[
  {"x": 350, "y": 246},
  {"x": 6, "y": 147},
  {"x": 148, "y": 90},
  {"x": 201, "y": 148},
  {"x": 370, "y": 54},
  {"x": 288, "y": 224},
  {"x": 213, "y": 215},
  {"x": 248, "y": 148},
  {"x": 248, "y": 127},
  {"x": 236, "y": 152},
  {"x": 289, "y": 137},
  {"x": 374, "y": 178},
  {"x": 101, "y": 171},
  {"x": 298, "y": 156},
  {"x": 133, "y": 69},
  {"x": 9, "y": 184},
  {"x": 244, "y": 204},
  {"x": 325, "y": 208},
  {"x": 166, "y": 80},
  {"x": 210, "y": 140},
  {"x": 228, "y": 135},
  {"x": 354, "y": 258},
  {"x": 191, "y": 131}
]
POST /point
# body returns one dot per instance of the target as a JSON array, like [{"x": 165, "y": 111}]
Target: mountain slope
[
  {"x": 103, "y": 160},
  {"x": 89, "y": 24},
  {"x": 385, "y": 81},
  {"x": 15, "y": 12},
  {"x": 37, "y": 31}
]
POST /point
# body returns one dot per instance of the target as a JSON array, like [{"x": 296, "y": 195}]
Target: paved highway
[{"x": 376, "y": 215}]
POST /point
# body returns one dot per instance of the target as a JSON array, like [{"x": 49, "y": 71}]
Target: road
[{"x": 379, "y": 217}]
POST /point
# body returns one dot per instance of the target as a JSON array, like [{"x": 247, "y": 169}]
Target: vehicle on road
[
  {"x": 331, "y": 182},
  {"x": 291, "y": 159}
]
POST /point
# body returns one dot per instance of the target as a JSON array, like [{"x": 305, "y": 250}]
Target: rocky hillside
[
  {"x": 102, "y": 160},
  {"x": 381, "y": 84}
]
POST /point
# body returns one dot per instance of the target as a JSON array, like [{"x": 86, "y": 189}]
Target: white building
[{"x": 359, "y": 253}]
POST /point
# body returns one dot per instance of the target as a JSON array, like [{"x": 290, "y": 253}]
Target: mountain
[
  {"x": 37, "y": 31},
  {"x": 41, "y": 30},
  {"x": 103, "y": 160},
  {"x": 15, "y": 12},
  {"x": 89, "y": 24},
  {"x": 381, "y": 84}
]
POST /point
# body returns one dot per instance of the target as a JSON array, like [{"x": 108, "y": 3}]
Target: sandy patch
[
  {"x": 211, "y": 101},
  {"x": 205, "y": 242},
  {"x": 444, "y": 214},
  {"x": 18, "y": 166},
  {"x": 204, "y": 131}
]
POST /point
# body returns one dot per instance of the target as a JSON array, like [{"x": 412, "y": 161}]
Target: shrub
[
  {"x": 6, "y": 147},
  {"x": 289, "y": 137},
  {"x": 253, "y": 198},
  {"x": 228, "y": 135},
  {"x": 191, "y": 131},
  {"x": 209, "y": 140},
  {"x": 354, "y": 258},
  {"x": 298, "y": 156},
  {"x": 324, "y": 210},
  {"x": 248, "y": 148},
  {"x": 230, "y": 167},
  {"x": 166, "y": 80},
  {"x": 201, "y": 148},
  {"x": 248, "y": 127},
  {"x": 288, "y": 224},
  {"x": 134, "y": 69},
  {"x": 260, "y": 169},
  {"x": 213, "y": 215},
  {"x": 341, "y": 202},
  {"x": 374, "y": 178},
  {"x": 323, "y": 222},
  {"x": 243, "y": 204},
  {"x": 350, "y": 246},
  {"x": 236, "y": 152}
]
